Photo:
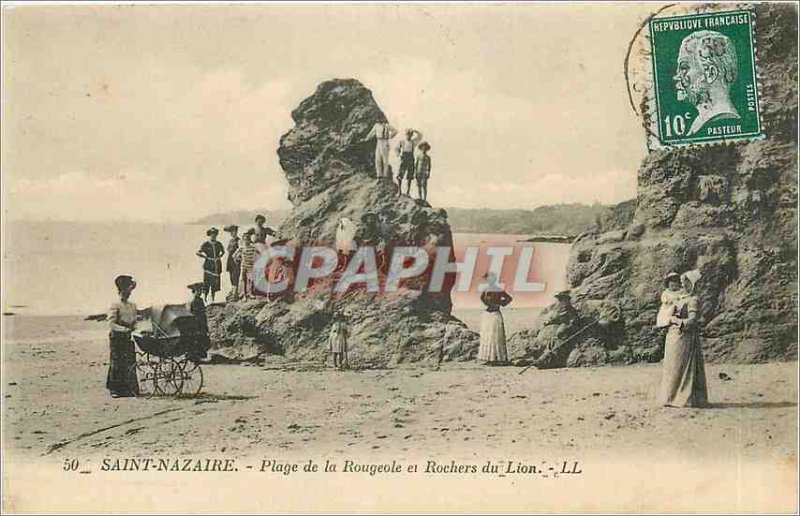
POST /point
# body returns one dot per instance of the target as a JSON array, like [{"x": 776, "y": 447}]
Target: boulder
[
  {"x": 330, "y": 172},
  {"x": 729, "y": 210}
]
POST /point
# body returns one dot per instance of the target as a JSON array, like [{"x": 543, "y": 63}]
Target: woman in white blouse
[{"x": 122, "y": 321}]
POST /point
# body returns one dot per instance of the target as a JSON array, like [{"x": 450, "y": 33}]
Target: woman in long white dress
[
  {"x": 683, "y": 381},
  {"x": 492, "y": 350}
]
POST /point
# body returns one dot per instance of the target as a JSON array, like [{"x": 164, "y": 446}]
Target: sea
[{"x": 68, "y": 268}]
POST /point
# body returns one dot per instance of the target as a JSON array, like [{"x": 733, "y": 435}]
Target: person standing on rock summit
[
  {"x": 382, "y": 132},
  {"x": 405, "y": 149},
  {"x": 423, "y": 171}
]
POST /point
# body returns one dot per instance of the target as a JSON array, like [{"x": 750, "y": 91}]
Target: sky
[{"x": 173, "y": 112}]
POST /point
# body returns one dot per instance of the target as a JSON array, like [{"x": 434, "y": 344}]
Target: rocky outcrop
[
  {"x": 729, "y": 210},
  {"x": 330, "y": 172}
]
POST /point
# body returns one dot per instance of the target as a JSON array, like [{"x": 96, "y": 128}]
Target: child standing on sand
[{"x": 337, "y": 339}]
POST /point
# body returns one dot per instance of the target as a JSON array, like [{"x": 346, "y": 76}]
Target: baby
[{"x": 669, "y": 298}]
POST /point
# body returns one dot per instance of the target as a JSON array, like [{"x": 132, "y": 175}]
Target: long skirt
[
  {"x": 683, "y": 381},
  {"x": 120, "y": 380},
  {"x": 338, "y": 343},
  {"x": 493, "y": 339}
]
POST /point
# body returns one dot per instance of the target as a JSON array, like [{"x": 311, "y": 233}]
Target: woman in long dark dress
[
  {"x": 492, "y": 348},
  {"x": 211, "y": 252},
  {"x": 201, "y": 342},
  {"x": 122, "y": 321}
]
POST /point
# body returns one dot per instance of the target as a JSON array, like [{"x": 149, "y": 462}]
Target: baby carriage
[{"x": 169, "y": 352}]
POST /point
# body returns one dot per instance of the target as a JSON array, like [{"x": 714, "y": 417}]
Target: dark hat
[
  {"x": 261, "y": 217},
  {"x": 670, "y": 276},
  {"x": 196, "y": 286},
  {"x": 212, "y": 231},
  {"x": 231, "y": 228},
  {"x": 564, "y": 294},
  {"x": 424, "y": 146},
  {"x": 249, "y": 231},
  {"x": 125, "y": 282}
]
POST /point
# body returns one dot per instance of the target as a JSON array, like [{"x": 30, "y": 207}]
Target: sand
[
  {"x": 56, "y": 407},
  {"x": 54, "y": 391}
]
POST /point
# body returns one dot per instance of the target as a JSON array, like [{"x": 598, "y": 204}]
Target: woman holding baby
[{"x": 683, "y": 383}]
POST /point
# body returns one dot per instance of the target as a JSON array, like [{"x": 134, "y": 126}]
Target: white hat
[{"x": 692, "y": 277}]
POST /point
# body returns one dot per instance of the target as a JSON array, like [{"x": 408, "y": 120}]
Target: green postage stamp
[{"x": 704, "y": 78}]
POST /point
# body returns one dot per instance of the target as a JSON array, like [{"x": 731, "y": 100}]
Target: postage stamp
[{"x": 704, "y": 78}]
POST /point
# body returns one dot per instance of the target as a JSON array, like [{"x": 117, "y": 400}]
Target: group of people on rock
[
  {"x": 413, "y": 166},
  {"x": 241, "y": 253}
]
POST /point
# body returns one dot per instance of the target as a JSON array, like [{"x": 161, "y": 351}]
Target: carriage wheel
[
  {"x": 192, "y": 378},
  {"x": 169, "y": 378},
  {"x": 142, "y": 379}
]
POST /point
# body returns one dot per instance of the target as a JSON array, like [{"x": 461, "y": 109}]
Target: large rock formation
[
  {"x": 729, "y": 210},
  {"x": 330, "y": 171}
]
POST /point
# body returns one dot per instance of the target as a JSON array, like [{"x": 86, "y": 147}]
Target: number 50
[{"x": 676, "y": 124}]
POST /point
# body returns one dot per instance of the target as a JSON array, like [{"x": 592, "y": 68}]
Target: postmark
[{"x": 704, "y": 82}]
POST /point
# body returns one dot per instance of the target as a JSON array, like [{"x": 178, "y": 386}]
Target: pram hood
[{"x": 168, "y": 319}]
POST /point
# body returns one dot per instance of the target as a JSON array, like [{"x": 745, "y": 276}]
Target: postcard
[{"x": 381, "y": 258}]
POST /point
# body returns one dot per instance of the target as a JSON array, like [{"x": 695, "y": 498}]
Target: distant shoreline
[
  {"x": 550, "y": 223},
  {"x": 559, "y": 220}
]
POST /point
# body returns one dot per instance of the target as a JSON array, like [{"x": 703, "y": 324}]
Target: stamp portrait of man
[{"x": 707, "y": 67}]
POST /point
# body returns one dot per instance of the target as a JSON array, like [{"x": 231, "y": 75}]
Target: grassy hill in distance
[
  {"x": 242, "y": 218},
  {"x": 559, "y": 219}
]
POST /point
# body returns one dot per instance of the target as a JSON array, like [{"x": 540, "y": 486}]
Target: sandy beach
[{"x": 55, "y": 403}]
